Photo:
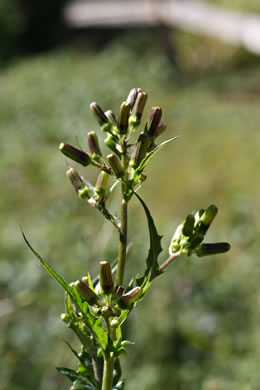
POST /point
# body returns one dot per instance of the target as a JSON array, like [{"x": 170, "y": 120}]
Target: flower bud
[
  {"x": 107, "y": 311},
  {"x": 106, "y": 279},
  {"x": 75, "y": 154},
  {"x": 206, "y": 219},
  {"x": 154, "y": 121},
  {"x": 100, "y": 116},
  {"x": 82, "y": 190},
  {"x": 93, "y": 144},
  {"x": 123, "y": 117},
  {"x": 115, "y": 165},
  {"x": 188, "y": 226},
  {"x": 140, "y": 150},
  {"x": 129, "y": 298},
  {"x": 114, "y": 323},
  {"x": 119, "y": 290},
  {"x": 132, "y": 96},
  {"x": 86, "y": 292},
  {"x": 111, "y": 143},
  {"x": 111, "y": 117},
  {"x": 65, "y": 318},
  {"x": 102, "y": 184},
  {"x": 195, "y": 240},
  {"x": 212, "y": 249},
  {"x": 138, "y": 109}
]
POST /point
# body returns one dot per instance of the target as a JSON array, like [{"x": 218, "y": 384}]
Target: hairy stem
[{"x": 108, "y": 372}]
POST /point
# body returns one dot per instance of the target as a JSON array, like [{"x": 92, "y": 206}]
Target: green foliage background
[{"x": 198, "y": 328}]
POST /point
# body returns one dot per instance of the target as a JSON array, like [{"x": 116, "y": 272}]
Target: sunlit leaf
[
  {"x": 152, "y": 266},
  {"x": 148, "y": 157}
]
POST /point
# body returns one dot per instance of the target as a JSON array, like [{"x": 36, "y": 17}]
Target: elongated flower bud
[
  {"x": 132, "y": 96},
  {"x": 111, "y": 143},
  {"x": 206, "y": 219},
  {"x": 115, "y": 165},
  {"x": 212, "y": 249},
  {"x": 86, "y": 292},
  {"x": 138, "y": 109},
  {"x": 188, "y": 226},
  {"x": 102, "y": 184},
  {"x": 93, "y": 144},
  {"x": 111, "y": 117},
  {"x": 106, "y": 279},
  {"x": 75, "y": 154},
  {"x": 140, "y": 150},
  {"x": 101, "y": 117},
  {"x": 195, "y": 240},
  {"x": 82, "y": 190},
  {"x": 160, "y": 129},
  {"x": 99, "y": 113},
  {"x": 154, "y": 121},
  {"x": 129, "y": 298},
  {"x": 123, "y": 117}
]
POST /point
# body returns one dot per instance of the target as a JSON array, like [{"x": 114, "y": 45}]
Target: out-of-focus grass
[{"x": 198, "y": 328}]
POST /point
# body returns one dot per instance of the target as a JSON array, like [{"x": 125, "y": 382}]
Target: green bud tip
[
  {"x": 99, "y": 113},
  {"x": 212, "y": 249},
  {"x": 123, "y": 117},
  {"x": 188, "y": 226},
  {"x": 206, "y": 219},
  {"x": 154, "y": 121},
  {"x": 209, "y": 214},
  {"x": 75, "y": 154},
  {"x": 93, "y": 144},
  {"x": 102, "y": 184},
  {"x": 86, "y": 292},
  {"x": 106, "y": 279},
  {"x": 129, "y": 298},
  {"x": 115, "y": 165}
]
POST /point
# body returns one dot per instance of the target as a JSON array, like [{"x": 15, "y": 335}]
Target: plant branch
[{"x": 170, "y": 260}]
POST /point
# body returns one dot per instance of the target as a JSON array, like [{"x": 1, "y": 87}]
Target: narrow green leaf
[
  {"x": 152, "y": 265},
  {"x": 147, "y": 158},
  {"x": 53, "y": 273},
  {"x": 92, "y": 323}
]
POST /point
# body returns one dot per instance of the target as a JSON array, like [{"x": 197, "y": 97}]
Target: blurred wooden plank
[{"x": 233, "y": 27}]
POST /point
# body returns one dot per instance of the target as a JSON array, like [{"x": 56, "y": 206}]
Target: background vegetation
[{"x": 198, "y": 328}]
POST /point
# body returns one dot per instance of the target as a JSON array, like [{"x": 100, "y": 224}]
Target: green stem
[
  {"x": 123, "y": 243},
  {"x": 108, "y": 371},
  {"x": 123, "y": 224}
]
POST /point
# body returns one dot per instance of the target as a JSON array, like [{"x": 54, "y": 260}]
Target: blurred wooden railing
[{"x": 233, "y": 27}]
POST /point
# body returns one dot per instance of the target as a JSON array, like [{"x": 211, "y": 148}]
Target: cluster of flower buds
[
  {"x": 189, "y": 235},
  {"x": 124, "y": 159},
  {"x": 106, "y": 300}
]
